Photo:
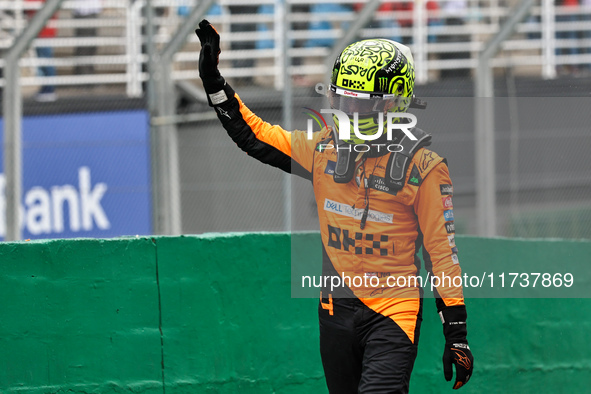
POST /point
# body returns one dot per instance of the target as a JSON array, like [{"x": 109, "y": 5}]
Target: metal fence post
[
  {"x": 287, "y": 104},
  {"x": 484, "y": 125},
  {"x": 548, "y": 40},
  {"x": 420, "y": 42},
  {"x": 12, "y": 105},
  {"x": 134, "y": 51},
  {"x": 166, "y": 171},
  {"x": 281, "y": 27}
]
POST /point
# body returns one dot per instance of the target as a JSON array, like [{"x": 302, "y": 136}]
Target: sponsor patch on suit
[
  {"x": 415, "y": 177},
  {"x": 448, "y": 215},
  {"x": 450, "y": 227},
  {"x": 446, "y": 189},
  {"x": 330, "y": 166},
  {"x": 378, "y": 183},
  {"x": 356, "y": 213},
  {"x": 451, "y": 239},
  {"x": 447, "y": 203}
]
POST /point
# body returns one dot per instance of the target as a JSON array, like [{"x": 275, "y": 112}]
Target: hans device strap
[
  {"x": 398, "y": 162},
  {"x": 345, "y": 167}
]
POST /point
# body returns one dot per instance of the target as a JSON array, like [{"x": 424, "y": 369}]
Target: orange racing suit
[{"x": 396, "y": 223}]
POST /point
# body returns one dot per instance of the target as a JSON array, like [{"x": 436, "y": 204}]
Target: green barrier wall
[{"x": 214, "y": 314}]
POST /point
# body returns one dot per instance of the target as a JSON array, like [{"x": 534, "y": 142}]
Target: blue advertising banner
[{"x": 84, "y": 175}]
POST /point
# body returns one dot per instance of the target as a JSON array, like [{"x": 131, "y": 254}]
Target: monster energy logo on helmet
[{"x": 383, "y": 83}]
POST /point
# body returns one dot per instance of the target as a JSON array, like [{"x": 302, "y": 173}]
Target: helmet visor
[{"x": 351, "y": 102}]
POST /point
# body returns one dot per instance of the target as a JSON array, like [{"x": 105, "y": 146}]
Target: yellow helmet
[{"x": 370, "y": 77}]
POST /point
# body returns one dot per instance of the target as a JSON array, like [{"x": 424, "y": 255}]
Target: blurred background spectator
[
  {"x": 454, "y": 30},
  {"x": 47, "y": 91},
  {"x": 567, "y": 14},
  {"x": 4, "y": 36},
  {"x": 321, "y": 14},
  {"x": 454, "y": 13},
  {"x": 240, "y": 25},
  {"x": 265, "y": 30},
  {"x": 586, "y": 33},
  {"x": 159, "y": 12},
  {"x": 86, "y": 10},
  {"x": 403, "y": 18},
  {"x": 392, "y": 24}
]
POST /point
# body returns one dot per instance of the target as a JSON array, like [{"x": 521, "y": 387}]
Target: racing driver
[{"x": 376, "y": 207}]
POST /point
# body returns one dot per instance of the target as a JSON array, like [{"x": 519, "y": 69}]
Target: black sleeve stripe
[{"x": 242, "y": 134}]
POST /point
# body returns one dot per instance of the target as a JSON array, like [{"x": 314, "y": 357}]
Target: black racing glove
[
  {"x": 457, "y": 352},
  {"x": 209, "y": 57}
]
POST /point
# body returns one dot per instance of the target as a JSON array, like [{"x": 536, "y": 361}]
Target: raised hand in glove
[
  {"x": 209, "y": 57},
  {"x": 456, "y": 352}
]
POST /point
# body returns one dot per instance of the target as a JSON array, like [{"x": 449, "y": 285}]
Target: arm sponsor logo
[
  {"x": 446, "y": 189},
  {"x": 223, "y": 112},
  {"x": 447, "y": 202},
  {"x": 452, "y": 239},
  {"x": 450, "y": 227},
  {"x": 448, "y": 215}
]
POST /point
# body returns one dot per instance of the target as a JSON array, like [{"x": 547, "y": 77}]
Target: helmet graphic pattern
[{"x": 375, "y": 66}]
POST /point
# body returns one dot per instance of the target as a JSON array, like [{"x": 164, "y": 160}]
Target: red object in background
[
  {"x": 570, "y": 3},
  {"x": 46, "y": 32},
  {"x": 405, "y": 7}
]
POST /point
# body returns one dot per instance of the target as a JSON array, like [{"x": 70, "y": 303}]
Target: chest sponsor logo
[
  {"x": 330, "y": 166},
  {"x": 446, "y": 189},
  {"x": 359, "y": 243},
  {"x": 450, "y": 227},
  {"x": 448, "y": 215},
  {"x": 378, "y": 183},
  {"x": 356, "y": 213},
  {"x": 447, "y": 203}
]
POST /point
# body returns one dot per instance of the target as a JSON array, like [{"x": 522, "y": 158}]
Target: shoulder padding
[{"x": 425, "y": 160}]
